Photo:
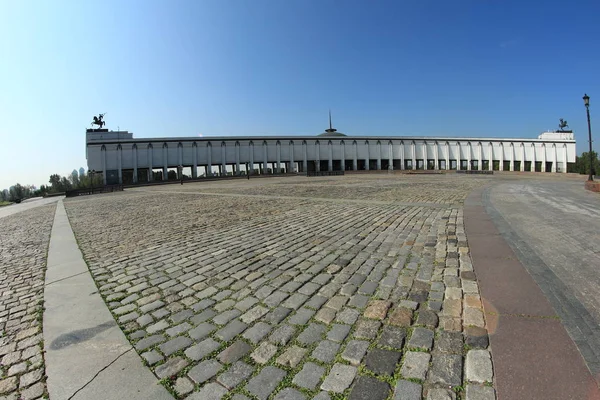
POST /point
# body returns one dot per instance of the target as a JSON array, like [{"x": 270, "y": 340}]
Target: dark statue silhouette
[
  {"x": 99, "y": 121},
  {"x": 562, "y": 124}
]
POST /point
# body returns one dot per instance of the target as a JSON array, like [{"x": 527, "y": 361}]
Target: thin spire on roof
[{"x": 330, "y": 126}]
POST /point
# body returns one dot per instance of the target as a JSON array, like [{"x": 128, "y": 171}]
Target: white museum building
[{"x": 121, "y": 158}]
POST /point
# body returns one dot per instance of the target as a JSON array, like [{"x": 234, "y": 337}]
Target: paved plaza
[{"x": 349, "y": 287}]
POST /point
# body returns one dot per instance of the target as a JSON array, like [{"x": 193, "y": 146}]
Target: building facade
[{"x": 121, "y": 158}]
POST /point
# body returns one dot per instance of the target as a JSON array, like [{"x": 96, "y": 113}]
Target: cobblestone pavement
[
  {"x": 24, "y": 239},
  {"x": 288, "y": 296},
  {"x": 556, "y": 228}
]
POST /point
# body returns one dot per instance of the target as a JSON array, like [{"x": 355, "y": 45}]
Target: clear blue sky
[{"x": 488, "y": 68}]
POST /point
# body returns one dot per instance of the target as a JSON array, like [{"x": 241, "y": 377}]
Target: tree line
[{"x": 57, "y": 184}]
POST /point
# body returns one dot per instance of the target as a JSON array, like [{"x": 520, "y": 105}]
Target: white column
[
  {"x": 480, "y": 156},
  {"x": 379, "y": 155},
  {"x": 522, "y": 157},
  {"x": 292, "y": 166},
  {"x": 209, "y": 159},
  {"x": 565, "y": 158},
  {"x": 355, "y": 159},
  {"x": 490, "y": 157},
  {"x": 103, "y": 151},
  {"x": 554, "y": 157},
  {"x": 195, "y": 158},
  {"x": 543, "y": 169},
  {"x": 265, "y": 159},
  {"x": 436, "y": 160},
  {"x": 251, "y": 163},
  {"x": 179, "y": 161},
  {"x": 318, "y": 157},
  {"x": 501, "y": 166},
  {"x": 305, "y": 160},
  {"x": 237, "y": 159},
  {"x": 330, "y": 160},
  {"x": 425, "y": 155},
  {"x": 469, "y": 149},
  {"x": 390, "y": 156},
  {"x": 223, "y": 159},
  {"x": 512, "y": 157},
  {"x": 134, "y": 157},
  {"x": 150, "y": 174},
  {"x": 402, "y": 155},
  {"x": 368, "y": 155},
  {"x": 414, "y": 155},
  {"x": 447, "y": 156},
  {"x": 165, "y": 162},
  {"x": 278, "y": 151},
  {"x": 533, "y": 157},
  {"x": 343, "y": 150}
]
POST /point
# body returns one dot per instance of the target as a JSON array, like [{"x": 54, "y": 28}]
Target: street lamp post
[{"x": 586, "y": 101}]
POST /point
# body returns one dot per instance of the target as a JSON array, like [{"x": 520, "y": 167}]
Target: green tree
[
  {"x": 55, "y": 182},
  {"x": 583, "y": 163},
  {"x": 74, "y": 178}
]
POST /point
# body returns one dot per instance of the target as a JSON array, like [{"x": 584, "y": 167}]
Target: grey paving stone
[
  {"x": 145, "y": 320},
  {"x": 359, "y": 301},
  {"x": 226, "y": 316},
  {"x": 149, "y": 342},
  {"x": 441, "y": 394},
  {"x": 202, "y": 349},
  {"x": 382, "y": 362},
  {"x": 257, "y": 332},
  {"x": 263, "y": 353},
  {"x": 355, "y": 351},
  {"x": 413, "y": 305},
  {"x": 183, "y": 386},
  {"x": 174, "y": 345},
  {"x": 367, "y": 288},
  {"x": 275, "y": 298},
  {"x": 263, "y": 384},
  {"x": 277, "y": 315},
  {"x": 202, "y": 331},
  {"x": 367, "y": 329},
  {"x": 234, "y": 352},
  {"x": 339, "y": 379},
  {"x": 338, "y": 332},
  {"x": 407, "y": 390},
  {"x": 171, "y": 367},
  {"x": 302, "y": 316},
  {"x": 337, "y": 302},
  {"x": 231, "y": 330},
  {"x": 178, "y": 329},
  {"x": 295, "y": 301},
  {"x": 235, "y": 375},
  {"x": 245, "y": 304},
  {"x": 392, "y": 336},
  {"x": 421, "y": 338},
  {"x": 252, "y": 315},
  {"x": 152, "y": 357},
  {"x": 282, "y": 335},
  {"x": 480, "y": 392},
  {"x": 210, "y": 391},
  {"x": 476, "y": 337},
  {"x": 446, "y": 369},
  {"x": 203, "y": 316},
  {"x": 202, "y": 304},
  {"x": 238, "y": 396},
  {"x": 326, "y": 315},
  {"x": 325, "y": 351},
  {"x": 311, "y": 334},
  {"x": 309, "y": 376},
  {"x": 322, "y": 396},
  {"x": 224, "y": 305},
  {"x": 435, "y": 306},
  {"x": 157, "y": 327},
  {"x": 415, "y": 365},
  {"x": 291, "y": 357},
  {"x": 181, "y": 316},
  {"x": 479, "y": 366},
  {"x": 289, "y": 394},
  {"x": 449, "y": 342},
  {"x": 316, "y": 302},
  {"x": 347, "y": 316},
  {"x": 369, "y": 388},
  {"x": 204, "y": 371},
  {"x": 427, "y": 318}
]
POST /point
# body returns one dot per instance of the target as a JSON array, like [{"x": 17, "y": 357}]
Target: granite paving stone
[
  {"x": 309, "y": 376},
  {"x": 415, "y": 365},
  {"x": 345, "y": 267},
  {"x": 339, "y": 379},
  {"x": 382, "y": 362},
  {"x": 263, "y": 384},
  {"x": 204, "y": 371},
  {"x": 369, "y": 388},
  {"x": 407, "y": 390}
]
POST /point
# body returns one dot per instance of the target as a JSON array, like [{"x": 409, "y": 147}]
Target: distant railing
[
  {"x": 94, "y": 190},
  {"x": 475, "y": 172},
  {"x": 324, "y": 173}
]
